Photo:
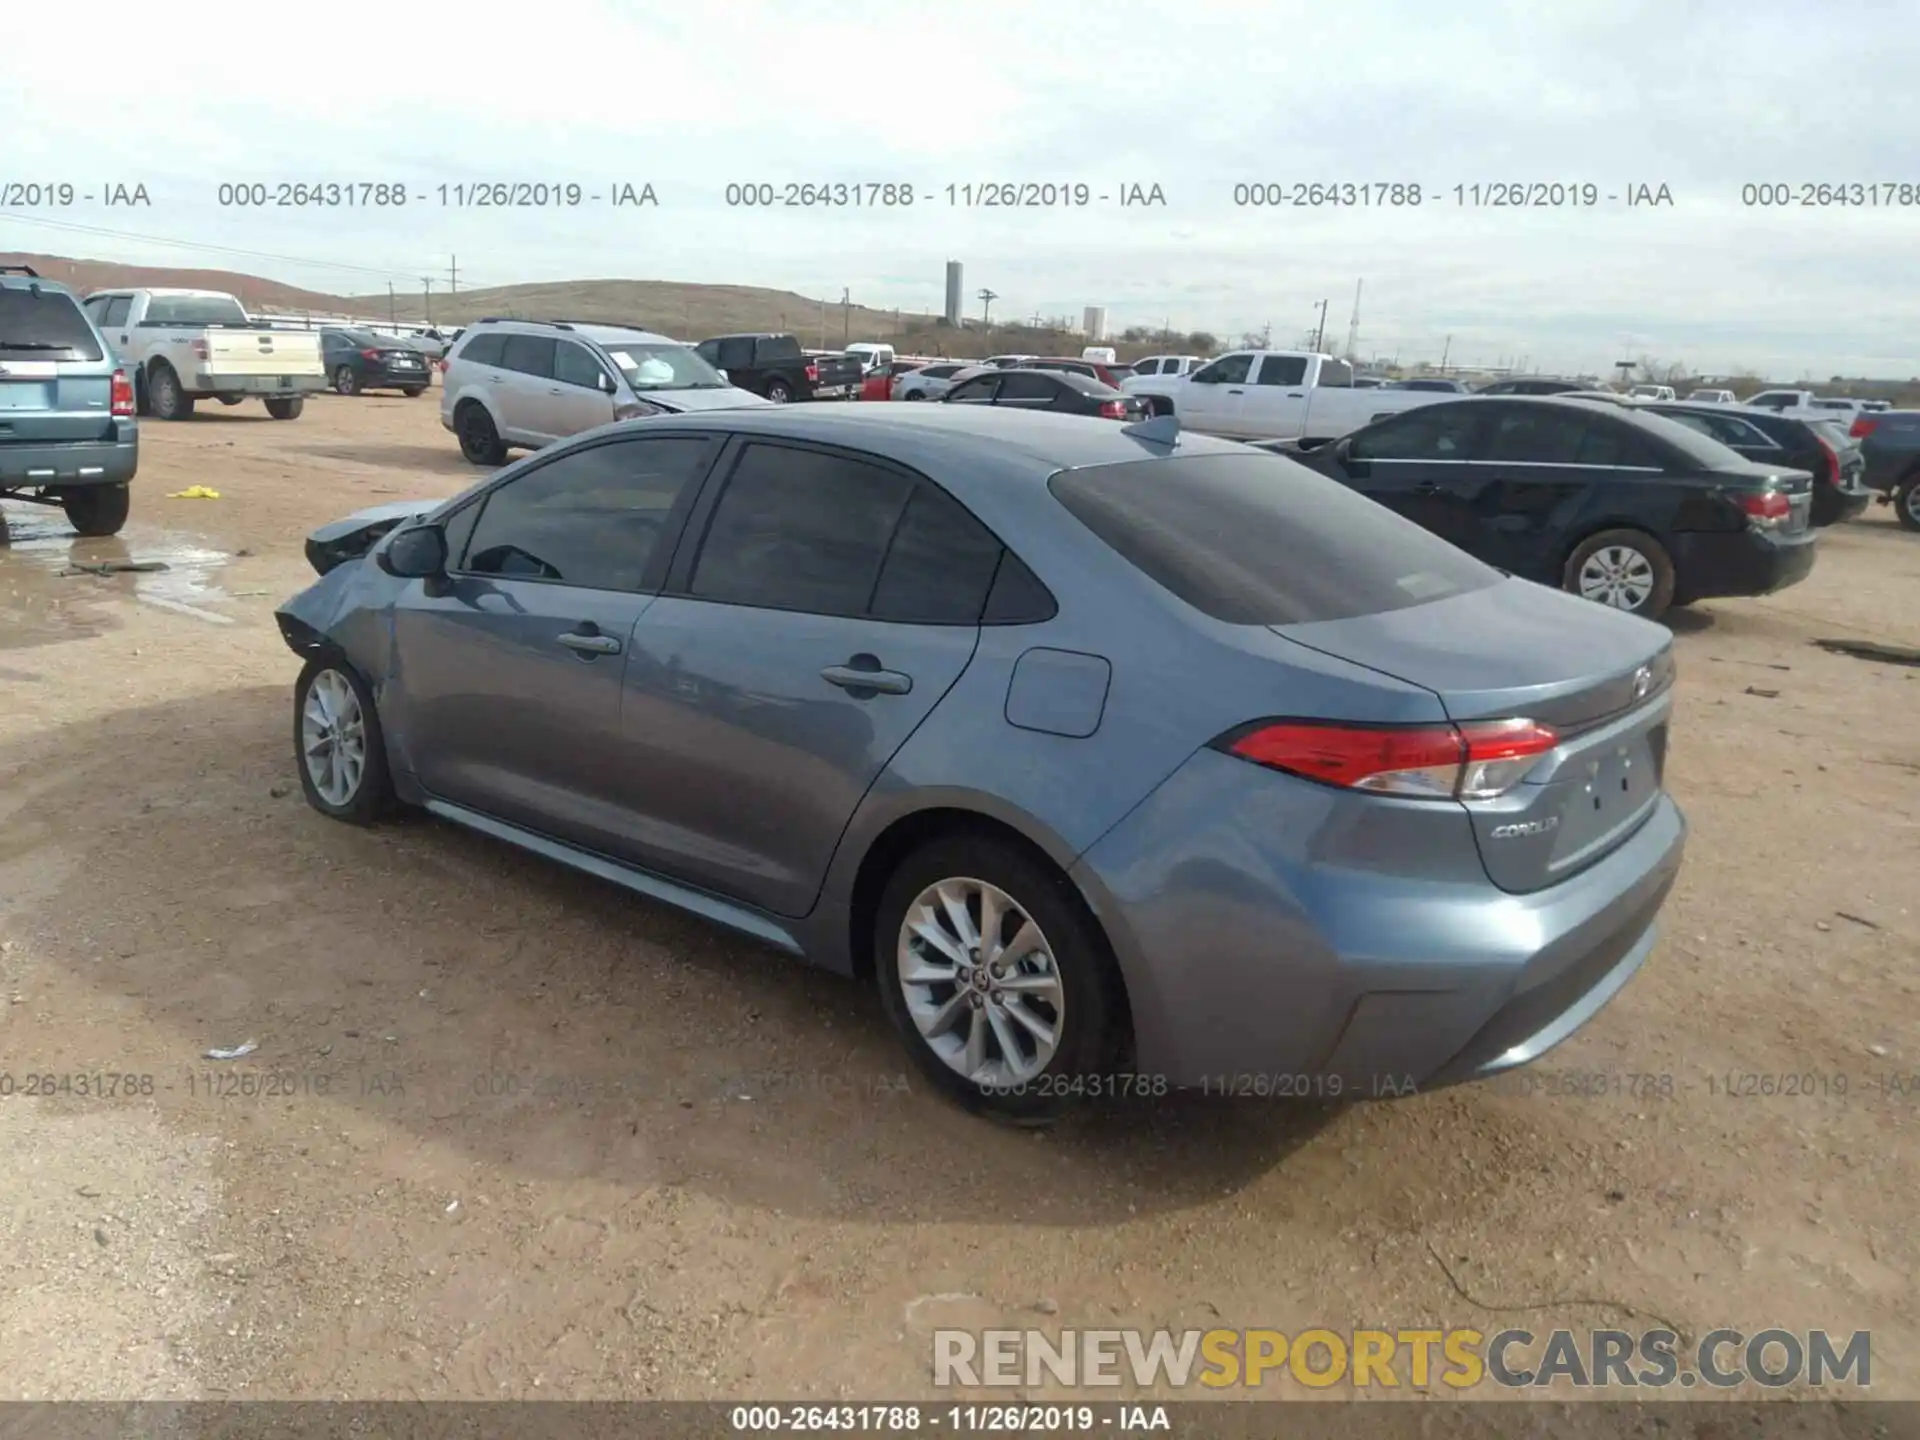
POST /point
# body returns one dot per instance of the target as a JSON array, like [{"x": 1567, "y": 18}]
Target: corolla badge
[
  {"x": 1642, "y": 682},
  {"x": 1526, "y": 827}
]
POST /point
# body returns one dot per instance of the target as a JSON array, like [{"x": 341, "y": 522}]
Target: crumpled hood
[{"x": 351, "y": 536}]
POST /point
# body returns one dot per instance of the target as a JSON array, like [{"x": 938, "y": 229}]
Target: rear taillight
[
  {"x": 203, "y": 350},
  {"x": 369, "y": 354},
  {"x": 1477, "y": 760},
  {"x": 122, "y": 394},
  {"x": 813, "y": 374},
  {"x": 1113, "y": 410},
  {"x": 1767, "y": 510},
  {"x": 441, "y": 365},
  {"x": 1862, "y": 427},
  {"x": 1832, "y": 454}
]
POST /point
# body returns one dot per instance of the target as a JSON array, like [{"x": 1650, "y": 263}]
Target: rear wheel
[
  {"x": 1625, "y": 569},
  {"x": 479, "y": 441},
  {"x": 779, "y": 392},
  {"x": 996, "y": 977},
  {"x": 98, "y": 509},
  {"x": 166, "y": 398},
  {"x": 286, "y": 408},
  {"x": 412, "y": 392},
  {"x": 337, "y": 743},
  {"x": 1906, "y": 503}
]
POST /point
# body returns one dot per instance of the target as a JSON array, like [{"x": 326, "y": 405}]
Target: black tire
[
  {"x": 1090, "y": 1009},
  {"x": 479, "y": 441},
  {"x": 1658, "y": 566},
  {"x": 373, "y": 796},
  {"x": 287, "y": 407},
  {"x": 98, "y": 509},
  {"x": 167, "y": 399},
  {"x": 1906, "y": 503},
  {"x": 345, "y": 382},
  {"x": 779, "y": 392},
  {"x": 914, "y": 395},
  {"x": 413, "y": 392},
  {"x": 231, "y": 399}
]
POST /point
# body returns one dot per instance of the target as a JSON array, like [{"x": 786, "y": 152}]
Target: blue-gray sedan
[{"x": 1119, "y": 759}]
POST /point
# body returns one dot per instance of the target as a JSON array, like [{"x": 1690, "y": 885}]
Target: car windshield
[
  {"x": 195, "y": 310},
  {"x": 663, "y": 367},
  {"x": 1258, "y": 540}
]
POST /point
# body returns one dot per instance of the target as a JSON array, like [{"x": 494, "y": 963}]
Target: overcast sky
[{"x": 1192, "y": 96}]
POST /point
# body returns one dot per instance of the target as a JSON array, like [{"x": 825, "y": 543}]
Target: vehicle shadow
[
  {"x": 543, "y": 1024},
  {"x": 437, "y": 460}
]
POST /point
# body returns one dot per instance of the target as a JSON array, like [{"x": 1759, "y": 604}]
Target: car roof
[
  {"x": 922, "y": 436},
  {"x": 36, "y": 282},
  {"x": 599, "y": 334}
]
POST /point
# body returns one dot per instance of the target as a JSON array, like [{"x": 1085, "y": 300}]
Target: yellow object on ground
[{"x": 195, "y": 492}]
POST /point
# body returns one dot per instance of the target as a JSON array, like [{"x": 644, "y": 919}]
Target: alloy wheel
[
  {"x": 1617, "y": 575},
  {"x": 333, "y": 738},
  {"x": 981, "y": 982}
]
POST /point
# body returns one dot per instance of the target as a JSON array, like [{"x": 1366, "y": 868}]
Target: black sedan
[
  {"x": 1630, "y": 509},
  {"x": 1060, "y": 391},
  {"x": 1822, "y": 448},
  {"x": 359, "y": 360}
]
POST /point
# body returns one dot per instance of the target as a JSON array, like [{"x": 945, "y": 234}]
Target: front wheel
[
  {"x": 1626, "y": 569},
  {"x": 97, "y": 510},
  {"x": 914, "y": 395},
  {"x": 345, "y": 382},
  {"x": 287, "y": 408},
  {"x": 996, "y": 977},
  {"x": 1906, "y": 503},
  {"x": 337, "y": 743}
]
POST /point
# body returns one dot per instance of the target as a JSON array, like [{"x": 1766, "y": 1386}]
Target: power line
[{"x": 204, "y": 247}]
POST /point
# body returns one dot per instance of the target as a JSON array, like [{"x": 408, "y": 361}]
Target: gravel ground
[{"x": 533, "y": 1136}]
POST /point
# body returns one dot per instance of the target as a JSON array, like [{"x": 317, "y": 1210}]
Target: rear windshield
[
  {"x": 1832, "y": 431},
  {"x": 38, "y": 324},
  {"x": 194, "y": 310},
  {"x": 1703, "y": 450},
  {"x": 1258, "y": 540},
  {"x": 1085, "y": 384}
]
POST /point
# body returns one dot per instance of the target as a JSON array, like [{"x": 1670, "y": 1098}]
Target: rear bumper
[
  {"x": 385, "y": 379},
  {"x": 263, "y": 386},
  {"x": 1886, "y": 469},
  {"x": 834, "y": 392},
  {"x": 1739, "y": 562},
  {"x": 67, "y": 467},
  {"x": 1831, "y": 505},
  {"x": 1272, "y": 930}
]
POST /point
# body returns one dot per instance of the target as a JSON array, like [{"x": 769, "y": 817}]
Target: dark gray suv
[{"x": 68, "y": 436}]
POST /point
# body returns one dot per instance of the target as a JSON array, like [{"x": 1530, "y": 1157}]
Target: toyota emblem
[{"x": 1642, "y": 682}]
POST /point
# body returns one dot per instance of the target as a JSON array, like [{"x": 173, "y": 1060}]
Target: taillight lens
[
  {"x": 1862, "y": 427},
  {"x": 813, "y": 374},
  {"x": 1832, "y": 454},
  {"x": 122, "y": 394},
  {"x": 1766, "y": 510},
  {"x": 202, "y": 350},
  {"x": 1478, "y": 760},
  {"x": 441, "y": 365},
  {"x": 369, "y": 354},
  {"x": 1113, "y": 410}
]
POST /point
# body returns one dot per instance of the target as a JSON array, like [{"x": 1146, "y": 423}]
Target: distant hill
[{"x": 84, "y": 275}]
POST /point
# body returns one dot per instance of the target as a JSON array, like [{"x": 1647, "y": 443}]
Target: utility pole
[
  {"x": 1320, "y": 330},
  {"x": 426, "y": 297},
  {"x": 393, "y": 314},
  {"x": 846, "y": 315},
  {"x": 1445, "y": 350},
  {"x": 823, "y": 324},
  {"x": 986, "y": 298},
  {"x": 453, "y": 275},
  {"x": 1353, "y": 325}
]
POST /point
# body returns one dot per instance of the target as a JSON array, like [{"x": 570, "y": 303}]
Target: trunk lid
[
  {"x": 41, "y": 405},
  {"x": 1600, "y": 678},
  {"x": 262, "y": 352}
]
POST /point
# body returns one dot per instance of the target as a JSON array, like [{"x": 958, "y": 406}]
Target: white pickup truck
[
  {"x": 186, "y": 345},
  {"x": 1275, "y": 395}
]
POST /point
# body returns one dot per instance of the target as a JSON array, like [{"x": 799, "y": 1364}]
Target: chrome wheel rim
[
  {"x": 981, "y": 982},
  {"x": 1617, "y": 575},
  {"x": 333, "y": 738},
  {"x": 1911, "y": 501}
]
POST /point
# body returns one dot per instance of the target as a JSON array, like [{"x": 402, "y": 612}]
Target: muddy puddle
[{"x": 56, "y": 585}]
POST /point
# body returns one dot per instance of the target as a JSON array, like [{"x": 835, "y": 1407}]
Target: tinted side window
[
  {"x": 1433, "y": 432},
  {"x": 1282, "y": 370},
  {"x": 44, "y": 325},
  {"x": 484, "y": 349},
  {"x": 1018, "y": 597},
  {"x": 940, "y": 565},
  {"x": 1536, "y": 435},
  {"x": 776, "y": 350},
  {"x": 800, "y": 530},
  {"x": 736, "y": 354},
  {"x": 118, "y": 309},
  {"x": 529, "y": 354},
  {"x": 1227, "y": 370},
  {"x": 977, "y": 391},
  {"x": 591, "y": 518},
  {"x": 1027, "y": 385},
  {"x": 1610, "y": 444},
  {"x": 1254, "y": 540},
  {"x": 574, "y": 364}
]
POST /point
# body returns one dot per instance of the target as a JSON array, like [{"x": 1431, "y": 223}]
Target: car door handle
[
  {"x": 1427, "y": 487},
  {"x": 1236, "y": 392},
  {"x": 556, "y": 390},
  {"x": 863, "y": 672},
  {"x": 588, "y": 641}
]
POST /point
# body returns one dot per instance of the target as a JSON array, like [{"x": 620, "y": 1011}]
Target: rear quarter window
[
  {"x": 41, "y": 324},
  {"x": 1258, "y": 540}
]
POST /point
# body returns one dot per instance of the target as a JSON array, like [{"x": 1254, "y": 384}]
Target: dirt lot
[{"x": 571, "y": 1144}]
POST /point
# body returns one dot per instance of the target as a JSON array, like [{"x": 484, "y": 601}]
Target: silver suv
[
  {"x": 68, "y": 436},
  {"x": 522, "y": 384}
]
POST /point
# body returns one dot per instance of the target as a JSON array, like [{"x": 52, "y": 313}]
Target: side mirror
[
  {"x": 416, "y": 553},
  {"x": 724, "y": 376},
  {"x": 607, "y": 387}
]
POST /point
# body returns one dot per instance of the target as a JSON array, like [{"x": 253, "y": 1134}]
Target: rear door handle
[
  {"x": 1427, "y": 487},
  {"x": 587, "y": 641},
  {"x": 863, "y": 672},
  {"x": 1236, "y": 392}
]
